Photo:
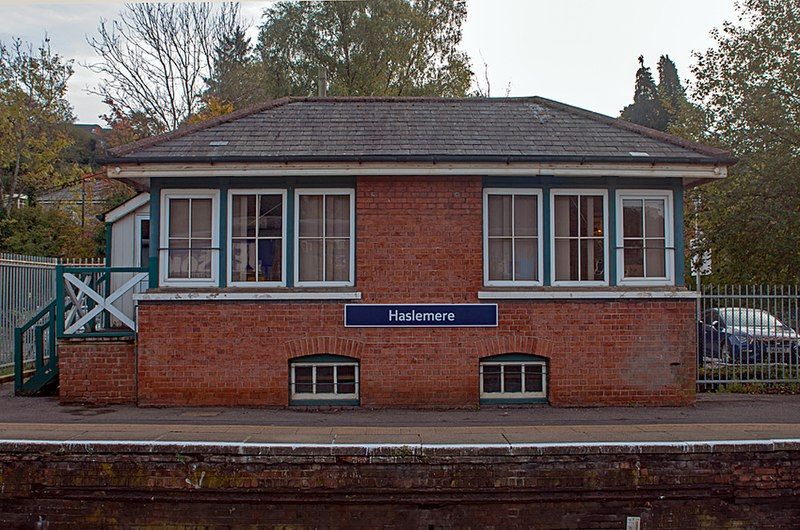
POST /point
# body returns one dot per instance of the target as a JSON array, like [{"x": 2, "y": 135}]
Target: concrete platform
[{"x": 715, "y": 417}]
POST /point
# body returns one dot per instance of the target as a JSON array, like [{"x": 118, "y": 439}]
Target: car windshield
[{"x": 741, "y": 317}]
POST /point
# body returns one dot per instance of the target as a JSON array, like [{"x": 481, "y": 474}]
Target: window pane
[
  {"x": 243, "y": 260},
  {"x": 144, "y": 242},
  {"x": 244, "y": 214},
  {"x": 656, "y": 259},
  {"x": 526, "y": 215},
  {"x": 310, "y": 216},
  {"x": 270, "y": 260},
  {"x": 526, "y": 259},
  {"x": 337, "y": 216},
  {"x": 310, "y": 260},
  {"x": 634, "y": 259},
  {"x": 499, "y": 215},
  {"x": 533, "y": 378},
  {"x": 632, "y": 218},
  {"x": 200, "y": 263},
  {"x": 346, "y": 379},
  {"x": 324, "y": 380},
  {"x": 500, "y": 259},
  {"x": 178, "y": 217},
  {"x": 592, "y": 260},
  {"x": 566, "y": 215},
  {"x": 270, "y": 216},
  {"x": 654, "y": 217},
  {"x": 512, "y": 378},
  {"x": 591, "y": 216},
  {"x": 491, "y": 378},
  {"x": 178, "y": 260},
  {"x": 303, "y": 380},
  {"x": 566, "y": 259},
  {"x": 337, "y": 260},
  {"x": 201, "y": 218}
]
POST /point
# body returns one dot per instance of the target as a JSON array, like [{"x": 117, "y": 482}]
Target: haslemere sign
[{"x": 420, "y": 315}]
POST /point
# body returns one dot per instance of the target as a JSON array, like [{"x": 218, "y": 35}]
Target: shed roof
[{"x": 365, "y": 129}]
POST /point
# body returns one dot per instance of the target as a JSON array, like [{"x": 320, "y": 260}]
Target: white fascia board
[
  {"x": 684, "y": 171},
  {"x": 127, "y": 207},
  {"x": 584, "y": 295},
  {"x": 200, "y": 296}
]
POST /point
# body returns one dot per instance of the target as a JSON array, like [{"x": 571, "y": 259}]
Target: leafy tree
[
  {"x": 748, "y": 84},
  {"x": 46, "y": 232},
  {"x": 154, "y": 59},
  {"x": 392, "y": 47},
  {"x": 646, "y": 108},
  {"x": 34, "y": 120}
]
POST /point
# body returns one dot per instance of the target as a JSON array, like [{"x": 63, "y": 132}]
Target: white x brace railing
[{"x": 84, "y": 304}]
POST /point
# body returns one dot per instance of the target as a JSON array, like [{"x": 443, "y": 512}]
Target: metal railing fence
[
  {"x": 27, "y": 284},
  {"x": 748, "y": 334}
]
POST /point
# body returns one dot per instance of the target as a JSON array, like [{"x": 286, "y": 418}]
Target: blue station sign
[{"x": 420, "y": 315}]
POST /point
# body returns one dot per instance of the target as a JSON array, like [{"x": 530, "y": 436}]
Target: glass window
[
  {"x": 579, "y": 237},
  {"x": 644, "y": 242},
  {"x": 512, "y": 379},
  {"x": 324, "y": 380},
  {"x": 324, "y": 237},
  {"x": 256, "y": 237},
  {"x": 512, "y": 237},
  {"x": 189, "y": 241}
]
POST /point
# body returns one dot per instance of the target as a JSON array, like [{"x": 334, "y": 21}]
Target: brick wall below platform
[{"x": 97, "y": 372}]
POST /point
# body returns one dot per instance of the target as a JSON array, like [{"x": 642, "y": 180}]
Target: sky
[{"x": 581, "y": 52}]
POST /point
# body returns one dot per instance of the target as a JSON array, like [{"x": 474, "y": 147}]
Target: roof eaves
[{"x": 440, "y": 158}]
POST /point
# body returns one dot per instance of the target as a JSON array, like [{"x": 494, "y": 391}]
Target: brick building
[{"x": 404, "y": 252}]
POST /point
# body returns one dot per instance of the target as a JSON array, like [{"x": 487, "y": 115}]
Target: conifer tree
[{"x": 646, "y": 108}]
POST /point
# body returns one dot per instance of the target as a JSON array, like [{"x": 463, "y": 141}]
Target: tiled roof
[{"x": 417, "y": 129}]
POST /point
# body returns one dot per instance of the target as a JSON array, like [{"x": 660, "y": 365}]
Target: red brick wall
[
  {"x": 98, "y": 372},
  {"x": 417, "y": 241}
]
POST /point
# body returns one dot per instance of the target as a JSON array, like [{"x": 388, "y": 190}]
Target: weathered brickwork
[
  {"x": 97, "y": 372},
  {"x": 175, "y": 486},
  {"x": 418, "y": 241}
]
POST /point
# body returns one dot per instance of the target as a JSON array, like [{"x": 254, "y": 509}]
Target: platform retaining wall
[{"x": 747, "y": 485}]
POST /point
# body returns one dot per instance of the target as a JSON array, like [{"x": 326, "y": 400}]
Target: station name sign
[{"x": 420, "y": 315}]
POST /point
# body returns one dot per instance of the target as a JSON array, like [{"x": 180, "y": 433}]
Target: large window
[
  {"x": 257, "y": 237},
  {"x": 323, "y": 378},
  {"x": 189, "y": 237},
  {"x": 517, "y": 377},
  {"x": 324, "y": 251},
  {"x": 512, "y": 243},
  {"x": 579, "y": 242},
  {"x": 644, "y": 237}
]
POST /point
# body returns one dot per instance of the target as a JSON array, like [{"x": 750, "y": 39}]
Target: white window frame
[
  {"x": 323, "y": 396},
  {"x": 513, "y": 395},
  {"x": 256, "y": 191},
  {"x": 669, "y": 240},
  {"x": 163, "y": 243},
  {"x": 539, "y": 236},
  {"x": 606, "y": 238},
  {"x": 324, "y": 192}
]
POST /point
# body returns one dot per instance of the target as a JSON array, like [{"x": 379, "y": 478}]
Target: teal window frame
[
  {"x": 316, "y": 399},
  {"x": 513, "y": 359}
]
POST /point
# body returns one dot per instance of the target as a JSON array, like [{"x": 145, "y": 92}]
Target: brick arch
[
  {"x": 514, "y": 343},
  {"x": 322, "y": 345}
]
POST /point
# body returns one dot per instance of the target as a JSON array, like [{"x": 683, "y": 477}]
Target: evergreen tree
[
  {"x": 234, "y": 73},
  {"x": 646, "y": 108}
]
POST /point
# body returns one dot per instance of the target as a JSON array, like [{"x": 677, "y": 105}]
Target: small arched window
[
  {"x": 324, "y": 380},
  {"x": 513, "y": 378}
]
